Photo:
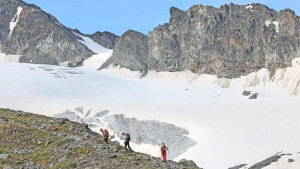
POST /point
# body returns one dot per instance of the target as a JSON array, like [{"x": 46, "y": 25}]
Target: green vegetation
[
  {"x": 40, "y": 155},
  {"x": 59, "y": 142},
  {"x": 6, "y": 148},
  {"x": 64, "y": 165},
  {"x": 80, "y": 150}
]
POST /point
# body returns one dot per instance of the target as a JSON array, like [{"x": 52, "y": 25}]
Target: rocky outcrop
[
  {"x": 131, "y": 51},
  {"x": 37, "y": 36},
  {"x": 229, "y": 41},
  {"x": 280, "y": 159},
  {"x": 106, "y": 39},
  {"x": 35, "y": 141}
]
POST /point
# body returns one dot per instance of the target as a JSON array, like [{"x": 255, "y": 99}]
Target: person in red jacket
[{"x": 164, "y": 149}]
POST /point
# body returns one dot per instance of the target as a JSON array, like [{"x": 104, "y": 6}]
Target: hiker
[
  {"x": 164, "y": 149},
  {"x": 105, "y": 135},
  {"x": 126, "y": 138}
]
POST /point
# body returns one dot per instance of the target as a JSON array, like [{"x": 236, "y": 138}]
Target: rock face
[
  {"x": 131, "y": 51},
  {"x": 34, "y": 141},
  {"x": 37, "y": 36},
  {"x": 229, "y": 41},
  {"x": 106, "y": 39}
]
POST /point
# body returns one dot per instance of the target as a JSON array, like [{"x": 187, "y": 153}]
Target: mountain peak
[{"x": 38, "y": 37}]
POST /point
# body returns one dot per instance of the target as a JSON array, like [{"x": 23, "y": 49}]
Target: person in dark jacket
[{"x": 126, "y": 138}]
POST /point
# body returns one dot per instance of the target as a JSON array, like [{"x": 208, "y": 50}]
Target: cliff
[{"x": 229, "y": 41}]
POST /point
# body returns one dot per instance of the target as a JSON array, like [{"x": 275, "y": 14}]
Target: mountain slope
[{"x": 34, "y": 141}]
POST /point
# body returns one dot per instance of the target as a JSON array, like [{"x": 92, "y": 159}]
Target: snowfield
[{"x": 229, "y": 128}]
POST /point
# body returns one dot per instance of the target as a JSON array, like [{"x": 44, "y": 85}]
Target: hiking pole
[{"x": 168, "y": 154}]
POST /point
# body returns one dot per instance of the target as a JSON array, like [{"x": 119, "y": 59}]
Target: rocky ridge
[
  {"x": 35, "y": 141},
  {"x": 229, "y": 41},
  {"x": 106, "y": 39}
]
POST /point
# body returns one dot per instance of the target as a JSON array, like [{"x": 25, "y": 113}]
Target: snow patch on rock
[
  {"x": 95, "y": 62},
  {"x": 276, "y": 23},
  {"x": 92, "y": 45},
  {"x": 14, "y": 21},
  {"x": 249, "y": 7}
]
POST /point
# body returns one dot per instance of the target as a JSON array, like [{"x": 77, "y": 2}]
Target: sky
[{"x": 117, "y": 16}]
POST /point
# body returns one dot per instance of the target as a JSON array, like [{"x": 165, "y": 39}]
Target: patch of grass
[
  {"x": 42, "y": 157},
  {"x": 41, "y": 134},
  {"x": 126, "y": 157},
  {"x": 64, "y": 165},
  {"x": 59, "y": 142},
  {"x": 82, "y": 150},
  {"x": 4, "y": 126},
  {"x": 7, "y": 148},
  {"x": 138, "y": 158},
  {"x": 59, "y": 128},
  {"x": 14, "y": 159},
  {"x": 119, "y": 147}
]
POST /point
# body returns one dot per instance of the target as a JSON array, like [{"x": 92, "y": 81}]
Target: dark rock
[
  {"x": 106, "y": 39},
  {"x": 253, "y": 96},
  {"x": 291, "y": 160},
  {"x": 238, "y": 166},
  {"x": 112, "y": 156},
  {"x": 266, "y": 162},
  {"x": 62, "y": 120},
  {"x": 246, "y": 93}
]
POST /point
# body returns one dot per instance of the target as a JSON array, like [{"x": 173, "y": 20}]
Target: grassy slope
[{"x": 30, "y": 140}]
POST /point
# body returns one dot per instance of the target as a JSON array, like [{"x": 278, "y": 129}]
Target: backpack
[
  {"x": 127, "y": 137},
  {"x": 106, "y": 134}
]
